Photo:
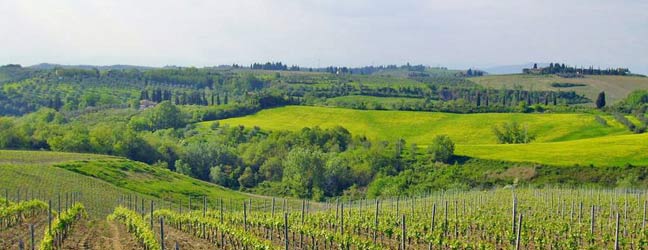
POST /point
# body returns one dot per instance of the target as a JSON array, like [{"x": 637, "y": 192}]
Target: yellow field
[
  {"x": 602, "y": 151},
  {"x": 561, "y": 139},
  {"x": 422, "y": 127}
]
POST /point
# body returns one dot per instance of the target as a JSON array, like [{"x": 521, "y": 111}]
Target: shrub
[
  {"x": 512, "y": 133},
  {"x": 442, "y": 148}
]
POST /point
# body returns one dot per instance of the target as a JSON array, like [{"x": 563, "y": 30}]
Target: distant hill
[
  {"x": 106, "y": 67},
  {"x": 615, "y": 87},
  {"x": 511, "y": 69}
]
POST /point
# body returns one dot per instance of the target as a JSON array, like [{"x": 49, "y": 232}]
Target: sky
[{"x": 312, "y": 33}]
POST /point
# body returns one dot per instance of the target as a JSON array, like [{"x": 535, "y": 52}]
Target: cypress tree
[{"x": 600, "y": 101}]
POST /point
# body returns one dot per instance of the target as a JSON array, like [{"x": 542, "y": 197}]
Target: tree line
[{"x": 560, "y": 68}]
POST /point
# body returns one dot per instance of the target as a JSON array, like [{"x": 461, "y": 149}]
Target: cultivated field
[
  {"x": 561, "y": 139},
  {"x": 615, "y": 87},
  {"x": 601, "y": 151},
  {"x": 103, "y": 180}
]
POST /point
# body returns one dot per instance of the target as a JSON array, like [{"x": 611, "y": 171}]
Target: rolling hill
[
  {"x": 103, "y": 180},
  {"x": 615, "y": 87},
  {"x": 561, "y": 139}
]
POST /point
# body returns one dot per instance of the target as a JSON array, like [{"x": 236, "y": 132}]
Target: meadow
[
  {"x": 615, "y": 87},
  {"x": 561, "y": 139},
  {"x": 601, "y": 151}
]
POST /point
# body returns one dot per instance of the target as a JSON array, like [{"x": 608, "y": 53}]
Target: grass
[
  {"x": 561, "y": 139},
  {"x": 104, "y": 179},
  {"x": 47, "y": 183},
  {"x": 20, "y": 157},
  {"x": 156, "y": 182},
  {"x": 422, "y": 127},
  {"x": 615, "y": 87},
  {"x": 372, "y": 101},
  {"x": 602, "y": 151}
]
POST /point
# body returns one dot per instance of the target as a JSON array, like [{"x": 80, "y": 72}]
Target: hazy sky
[{"x": 453, "y": 33}]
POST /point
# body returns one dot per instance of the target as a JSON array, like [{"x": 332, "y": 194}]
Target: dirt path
[
  {"x": 100, "y": 234},
  {"x": 184, "y": 240},
  {"x": 115, "y": 236},
  {"x": 10, "y": 237}
]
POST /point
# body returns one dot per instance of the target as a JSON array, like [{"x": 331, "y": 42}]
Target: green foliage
[
  {"x": 441, "y": 149},
  {"x": 192, "y": 222},
  {"x": 61, "y": 225},
  {"x": 567, "y": 85},
  {"x": 304, "y": 171},
  {"x": 137, "y": 226},
  {"x": 147, "y": 180},
  {"x": 247, "y": 179},
  {"x": 14, "y": 213},
  {"x": 199, "y": 157},
  {"x": 512, "y": 133},
  {"x": 164, "y": 115},
  {"x": 634, "y": 101},
  {"x": 600, "y": 100}
]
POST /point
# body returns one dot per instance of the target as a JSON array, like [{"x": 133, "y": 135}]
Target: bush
[
  {"x": 512, "y": 133},
  {"x": 441, "y": 149}
]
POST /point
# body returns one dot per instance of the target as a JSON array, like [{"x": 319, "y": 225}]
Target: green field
[
  {"x": 561, "y": 139},
  {"x": 103, "y": 179},
  {"x": 615, "y": 87},
  {"x": 602, "y": 151},
  {"x": 29, "y": 174},
  {"x": 422, "y": 127},
  {"x": 18, "y": 157}
]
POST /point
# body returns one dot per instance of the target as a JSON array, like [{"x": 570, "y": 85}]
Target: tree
[
  {"x": 338, "y": 176},
  {"x": 512, "y": 133},
  {"x": 600, "y": 100},
  {"x": 183, "y": 167},
  {"x": 441, "y": 149},
  {"x": 201, "y": 157},
  {"x": 304, "y": 171},
  {"x": 164, "y": 115},
  {"x": 271, "y": 169},
  {"x": 247, "y": 178}
]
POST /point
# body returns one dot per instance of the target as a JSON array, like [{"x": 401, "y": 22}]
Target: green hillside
[
  {"x": 562, "y": 139},
  {"x": 422, "y": 127},
  {"x": 103, "y": 179},
  {"x": 602, "y": 151},
  {"x": 615, "y": 87}
]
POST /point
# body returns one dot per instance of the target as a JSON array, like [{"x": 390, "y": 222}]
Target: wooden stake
[
  {"x": 162, "y": 232},
  {"x": 616, "y": 234}
]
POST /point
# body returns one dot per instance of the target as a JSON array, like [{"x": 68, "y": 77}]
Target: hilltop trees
[
  {"x": 600, "y": 100},
  {"x": 561, "y": 69}
]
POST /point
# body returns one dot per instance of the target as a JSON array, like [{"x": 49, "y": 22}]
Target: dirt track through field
[
  {"x": 100, "y": 234},
  {"x": 10, "y": 237},
  {"x": 184, "y": 240}
]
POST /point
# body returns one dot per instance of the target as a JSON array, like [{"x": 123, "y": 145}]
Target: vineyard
[{"x": 497, "y": 219}]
